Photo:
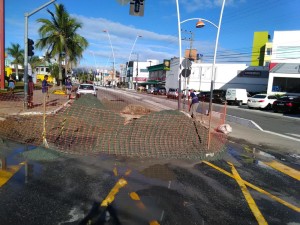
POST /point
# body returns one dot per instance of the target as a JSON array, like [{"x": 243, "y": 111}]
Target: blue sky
[{"x": 158, "y": 27}]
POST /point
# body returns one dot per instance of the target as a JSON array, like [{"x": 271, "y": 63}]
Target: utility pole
[
  {"x": 191, "y": 39},
  {"x": 27, "y": 15}
]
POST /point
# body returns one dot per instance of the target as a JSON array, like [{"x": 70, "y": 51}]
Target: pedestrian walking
[
  {"x": 194, "y": 103},
  {"x": 30, "y": 92},
  {"x": 45, "y": 86},
  {"x": 69, "y": 85},
  {"x": 11, "y": 85}
]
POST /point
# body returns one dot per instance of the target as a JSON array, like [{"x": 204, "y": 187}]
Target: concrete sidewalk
[{"x": 14, "y": 104}]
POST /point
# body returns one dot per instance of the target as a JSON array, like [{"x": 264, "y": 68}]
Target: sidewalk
[{"x": 14, "y": 104}]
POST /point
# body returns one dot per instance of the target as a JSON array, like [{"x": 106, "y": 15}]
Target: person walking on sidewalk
[
  {"x": 69, "y": 86},
  {"x": 11, "y": 85},
  {"x": 45, "y": 85},
  {"x": 194, "y": 103},
  {"x": 30, "y": 92}
]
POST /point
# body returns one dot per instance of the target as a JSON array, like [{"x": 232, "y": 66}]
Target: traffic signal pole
[{"x": 27, "y": 15}]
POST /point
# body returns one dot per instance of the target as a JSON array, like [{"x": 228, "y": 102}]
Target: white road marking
[
  {"x": 296, "y": 135},
  {"x": 281, "y": 135}
]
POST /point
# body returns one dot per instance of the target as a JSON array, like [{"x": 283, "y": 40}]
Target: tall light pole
[
  {"x": 106, "y": 31},
  {"x": 200, "y": 24},
  {"x": 27, "y": 15},
  {"x": 138, "y": 36}
]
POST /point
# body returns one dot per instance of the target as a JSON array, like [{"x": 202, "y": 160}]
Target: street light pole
[
  {"x": 138, "y": 36},
  {"x": 200, "y": 25},
  {"x": 180, "y": 58},
  {"x": 27, "y": 15},
  {"x": 213, "y": 74},
  {"x": 113, "y": 77}
]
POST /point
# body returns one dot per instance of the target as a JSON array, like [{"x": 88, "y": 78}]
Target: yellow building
[
  {"x": 8, "y": 71},
  {"x": 43, "y": 70},
  {"x": 258, "y": 48}
]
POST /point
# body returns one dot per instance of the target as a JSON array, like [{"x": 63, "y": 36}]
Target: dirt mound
[{"x": 135, "y": 110}]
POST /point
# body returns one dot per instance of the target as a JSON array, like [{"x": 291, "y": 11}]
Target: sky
[{"x": 158, "y": 27}]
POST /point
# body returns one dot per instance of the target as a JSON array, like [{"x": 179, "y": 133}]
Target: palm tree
[
  {"x": 17, "y": 53},
  {"x": 35, "y": 61},
  {"x": 59, "y": 37}
]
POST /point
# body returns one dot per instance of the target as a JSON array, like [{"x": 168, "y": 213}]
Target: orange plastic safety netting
[{"x": 115, "y": 123}]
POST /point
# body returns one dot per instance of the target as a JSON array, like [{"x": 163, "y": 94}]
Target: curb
[{"x": 41, "y": 113}]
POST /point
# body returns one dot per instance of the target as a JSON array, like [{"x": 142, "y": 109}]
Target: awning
[{"x": 152, "y": 82}]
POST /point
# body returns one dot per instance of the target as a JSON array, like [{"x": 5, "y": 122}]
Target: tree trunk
[
  {"x": 17, "y": 72},
  {"x": 59, "y": 83}
]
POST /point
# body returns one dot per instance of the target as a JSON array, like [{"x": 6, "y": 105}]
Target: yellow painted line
[
  {"x": 255, "y": 210},
  {"x": 154, "y": 222},
  {"x": 284, "y": 169},
  {"x": 128, "y": 172},
  {"x": 134, "y": 196},
  {"x": 111, "y": 196},
  {"x": 5, "y": 175},
  {"x": 289, "y": 205},
  {"x": 115, "y": 170}
]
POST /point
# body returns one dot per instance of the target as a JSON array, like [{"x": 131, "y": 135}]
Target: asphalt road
[{"x": 64, "y": 189}]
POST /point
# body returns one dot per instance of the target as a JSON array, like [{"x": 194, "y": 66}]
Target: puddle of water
[{"x": 158, "y": 171}]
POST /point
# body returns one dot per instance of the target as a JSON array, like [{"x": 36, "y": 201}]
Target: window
[
  {"x": 269, "y": 51},
  {"x": 285, "y": 84},
  {"x": 42, "y": 69}
]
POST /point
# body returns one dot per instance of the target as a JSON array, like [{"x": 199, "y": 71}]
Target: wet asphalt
[{"x": 62, "y": 189}]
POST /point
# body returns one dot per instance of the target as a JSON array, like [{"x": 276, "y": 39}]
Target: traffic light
[
  {"x": 137, "y": 7},
  {"x": 30, "y": 47}
]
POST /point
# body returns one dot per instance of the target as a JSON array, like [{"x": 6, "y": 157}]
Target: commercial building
[
  {"x": 284, "y": 75},
  {"x": 254, "y": 79}
]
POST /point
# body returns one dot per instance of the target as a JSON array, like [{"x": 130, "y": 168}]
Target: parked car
[
  {"x": 150, "y": 90},
  {"x": 287, "y": 104},
  {"x": 159, "y": 91},
  {"x": 261, "y": 101},
  {"x": 219, "y": 96},
  {"x": 172, "y": 93},
  {"x": 204, "y": 96},
  {"x": 84, "y": 89}
]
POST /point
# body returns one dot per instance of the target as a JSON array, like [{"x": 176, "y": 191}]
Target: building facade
[
  {"x": 259, "y": 47},
  {"x": 285, "y": 63},
  {"x": 254, "y": 79}
]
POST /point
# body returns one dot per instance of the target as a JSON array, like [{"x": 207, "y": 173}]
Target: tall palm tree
[
  {"x": 17, "y": 53},
  {"x": 59, "y": 36}
]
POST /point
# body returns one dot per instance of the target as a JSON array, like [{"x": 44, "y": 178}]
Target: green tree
[
  {"x": 59, "y": 36},
  {"x": 17, "y": 53}
]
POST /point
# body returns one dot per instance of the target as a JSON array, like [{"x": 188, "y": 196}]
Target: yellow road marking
[
  {"x": 154, "y": 222},
  {"x": 259, "y": 217},
  {"x": 284, "y": 169},
  {"x": 134, "y": 196},
  {"x": 5, "y": 175},
  {"x": 128, "y": 172},
  {"x": 115, "y": 170},
  {"x": 111, "y": 196},
  {"x": 289, "y": 205}
]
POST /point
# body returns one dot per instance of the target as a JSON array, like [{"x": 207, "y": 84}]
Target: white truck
[{"x": 236, "y": 96}]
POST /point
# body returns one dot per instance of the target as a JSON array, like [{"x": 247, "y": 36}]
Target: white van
[{"x": 236, "y": 96}]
